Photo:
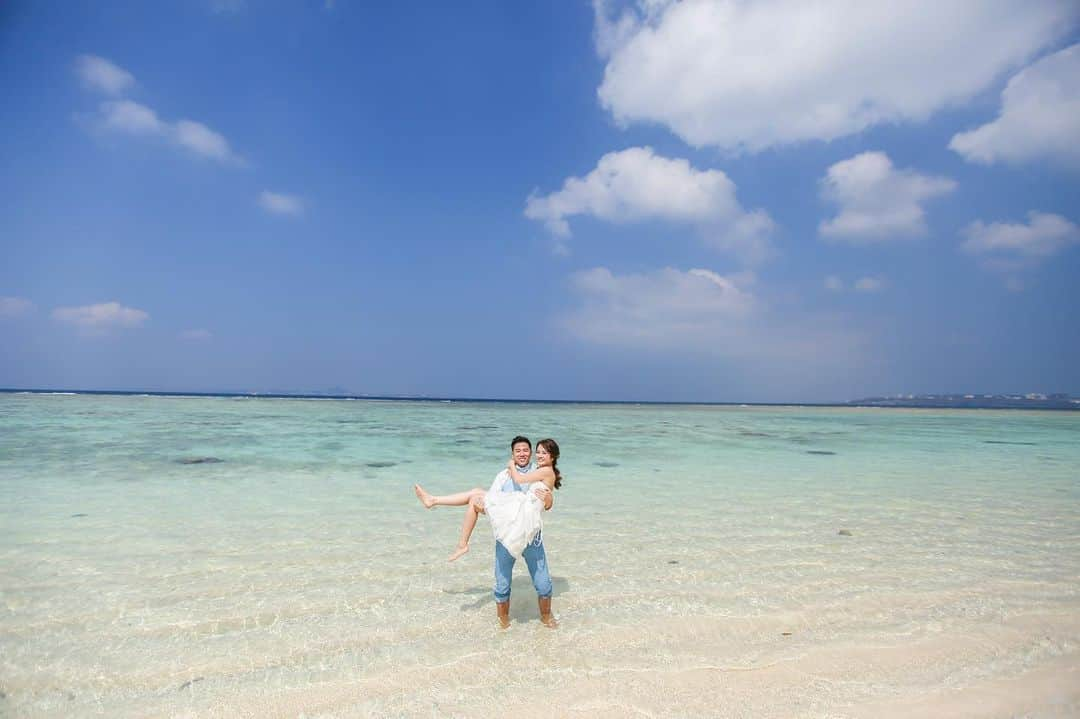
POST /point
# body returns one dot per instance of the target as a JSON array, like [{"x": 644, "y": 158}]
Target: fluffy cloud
[
  {"x": 636, "y": 184},
  {"x": 1039, "y": 120},
  {"x": 1008, "y": 247},
  {"x": 877, "y": 201},
  {"x": 15, "y": 306},
  {"x": 100, "y": 318},
  {"x": 131, "y": 117},
  {"x": 699, "y": 312},
  {"x": 834, "y": 283},
  {"x": 127, "y": 116},
  {"x": 201, "y": 140},
  {"x": 100, "y": 75},
  {"x": 281, "y": 204},
  {"x": 657, "y": 307},
  {"x": 751, "y": 75}
]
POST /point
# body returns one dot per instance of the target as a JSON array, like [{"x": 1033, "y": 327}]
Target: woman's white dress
[{"x": 515, "y": 516}]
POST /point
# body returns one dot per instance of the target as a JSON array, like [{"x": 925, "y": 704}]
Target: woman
[{"x": 515, "y": 516}]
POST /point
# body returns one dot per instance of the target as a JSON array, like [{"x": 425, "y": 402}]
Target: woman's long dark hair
[{"x": 552, "y": 448}]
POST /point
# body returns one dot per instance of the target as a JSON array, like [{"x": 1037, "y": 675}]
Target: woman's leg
[
  {"x": 447, "y": 500},
  {"x": 467, "y": 526}
]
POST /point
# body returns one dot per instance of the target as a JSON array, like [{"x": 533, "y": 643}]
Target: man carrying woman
[{"x": 514, "y": 504}]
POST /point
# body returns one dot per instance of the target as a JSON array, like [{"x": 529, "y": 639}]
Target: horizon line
[{"x": 867, "y": 402}]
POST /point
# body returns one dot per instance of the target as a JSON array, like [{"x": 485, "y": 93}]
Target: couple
[{"x": 514, "y": 503}]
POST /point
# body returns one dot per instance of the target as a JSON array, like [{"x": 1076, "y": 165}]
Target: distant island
[{"x": 1031, "y": 400}]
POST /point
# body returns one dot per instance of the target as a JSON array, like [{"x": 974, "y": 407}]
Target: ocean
[{"x": 228, "y": 556}]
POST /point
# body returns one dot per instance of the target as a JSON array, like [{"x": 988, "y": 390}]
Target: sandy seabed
[{"x": 696, "y": 554}]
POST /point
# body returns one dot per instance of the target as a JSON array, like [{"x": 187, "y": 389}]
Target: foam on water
[{"x": 172, "y": 556}]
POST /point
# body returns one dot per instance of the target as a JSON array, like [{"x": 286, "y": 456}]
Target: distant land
[{"x": 1031, "y": 400}]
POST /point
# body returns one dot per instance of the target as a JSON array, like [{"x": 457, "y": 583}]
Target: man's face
[{"x": 521, "y": 451}]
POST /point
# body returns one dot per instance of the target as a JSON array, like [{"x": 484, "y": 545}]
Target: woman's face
[{"x": 543, "y": 459}]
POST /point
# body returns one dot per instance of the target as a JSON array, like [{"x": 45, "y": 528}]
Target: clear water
[{"x": 695, "y": 551}]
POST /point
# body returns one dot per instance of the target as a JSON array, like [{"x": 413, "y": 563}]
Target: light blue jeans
[{"x": 535, "y": 559}]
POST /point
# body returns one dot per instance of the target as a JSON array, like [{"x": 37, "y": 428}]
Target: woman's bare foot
[
  {"x": 427, "y": 500},
  {"x": 462, "y": 549}
]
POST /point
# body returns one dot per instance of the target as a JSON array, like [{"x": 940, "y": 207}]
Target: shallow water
[{"x": 266, "y": 557}]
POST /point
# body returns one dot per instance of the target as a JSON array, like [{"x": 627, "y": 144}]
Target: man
[{"x": 534, "y": 555}]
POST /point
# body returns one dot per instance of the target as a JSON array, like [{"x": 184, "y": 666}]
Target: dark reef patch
[
  {"x": 80, "y": 514},
  {"x": 819, "y": 451},
  {"x": 1002, "y": 441},
  {"x": 379, "y": 465},
  {"x": 606, "y": 464},
  {"x": 199, "y": 460}
]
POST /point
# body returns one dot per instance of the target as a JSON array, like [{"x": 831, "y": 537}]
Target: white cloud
[
  {"x": 636, "y": 184},
  {"x": 869, "y": 284},
  {"x": 15, "y": 306},
  {"x": 834, "y": 283},
  {"x": 201, "y": 140},
  {"x": 663, "y": 309},
  {"x": 1010, "y": 247},
  {"x": 699, "y": 312},
  {"x": 101, "y": 317},
  {"x": 281, "y": 204},
  {"x": 127, "y": 116},
  {"x": 1039, "y": 119},
  {"x": 100, "y": 75},
  {"x": 877, "y": 201},
  {"x": 751, "y": 75},
  {"x": 196, "y": 335},
  {"x": 656, "y": 306}
]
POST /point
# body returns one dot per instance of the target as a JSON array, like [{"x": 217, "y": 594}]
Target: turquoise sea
[{"x": 179, "y": 556}]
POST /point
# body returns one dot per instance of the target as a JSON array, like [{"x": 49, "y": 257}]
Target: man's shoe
[
  {"x": 503, "y": 610},
  {"x": 546, "y": 617}
]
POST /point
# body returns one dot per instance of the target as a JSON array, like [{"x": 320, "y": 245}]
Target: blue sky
[{"x": 709, "y": 200}]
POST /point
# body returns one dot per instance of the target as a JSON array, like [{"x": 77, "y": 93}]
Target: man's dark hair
[{"x": 517, "y": 439}]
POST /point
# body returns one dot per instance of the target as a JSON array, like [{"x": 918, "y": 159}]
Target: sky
[{"x": 707, "y": 200}]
